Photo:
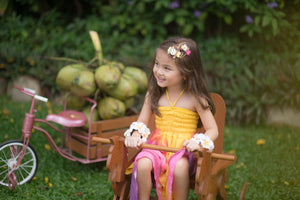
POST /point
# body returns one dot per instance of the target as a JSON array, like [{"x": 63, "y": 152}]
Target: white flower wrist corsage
[
  {"x": 204, "y": 141},
  {"x": 141, "y": 128}
]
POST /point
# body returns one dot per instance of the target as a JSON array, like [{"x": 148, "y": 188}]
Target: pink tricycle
[{"x": 18, "y": 159}]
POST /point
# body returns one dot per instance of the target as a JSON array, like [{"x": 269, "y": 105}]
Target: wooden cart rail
[{"x": 222, "y": 156}]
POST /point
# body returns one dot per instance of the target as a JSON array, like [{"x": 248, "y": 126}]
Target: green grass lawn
[{"x": 272, "y": 168}]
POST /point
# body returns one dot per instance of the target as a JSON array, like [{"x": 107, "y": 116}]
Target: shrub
[
  {"x": 251, "y": 81},
  {"x": 250, "y": 54}
]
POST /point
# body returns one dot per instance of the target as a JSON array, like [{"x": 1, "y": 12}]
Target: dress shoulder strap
[{"x": 173, "y": 104}]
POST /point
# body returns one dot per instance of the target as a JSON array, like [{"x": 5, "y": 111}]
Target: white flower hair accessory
[
  {"x": 141, "y": 128},
  {"x": 204, "y": 141},
  {"x": 179, "y": 51}
]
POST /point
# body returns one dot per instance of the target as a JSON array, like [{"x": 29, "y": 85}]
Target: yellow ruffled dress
[{"x": 176, "y": 125}]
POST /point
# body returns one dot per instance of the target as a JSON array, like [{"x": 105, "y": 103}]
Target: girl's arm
[
  {"x": 135, "y": 139},
  {"x": 209, "y": 124},
  {"x": 146, "y": 112},
  {"x": 208, "y": 121}
]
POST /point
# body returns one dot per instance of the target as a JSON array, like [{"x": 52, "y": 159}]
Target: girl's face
[{"x": 165, "y": 71}]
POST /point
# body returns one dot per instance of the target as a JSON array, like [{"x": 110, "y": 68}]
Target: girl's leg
[
  {"x": 181, "y": 179},
  {"x": 144, "y": 168}
]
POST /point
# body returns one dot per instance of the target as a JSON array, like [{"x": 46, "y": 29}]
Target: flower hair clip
[{"x": 180, "y": 52}]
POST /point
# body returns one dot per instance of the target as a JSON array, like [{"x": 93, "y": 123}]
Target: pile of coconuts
[{"x": 117, "y": 84}]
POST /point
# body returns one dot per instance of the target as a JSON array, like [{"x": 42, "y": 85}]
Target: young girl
[{"x": 178, "y": 96}]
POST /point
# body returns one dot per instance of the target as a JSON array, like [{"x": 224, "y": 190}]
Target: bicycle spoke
[
  {"x": 3, "y": 161},
  {"x": 3, "y": 166},
  {"x": 5, "y": 157},
  {"x": 13, "y": 150},
  {"x": 19, "y": 154},
  {"x": 5, "y": 171},
  {"x": 28, "y": 161},
  {"x": 23, "y": 169},
  {"x": 17, "y": 151},
  {"x": 21, "y": 174},
  {"x": 5, "y": 177},
  {"x": 26, "y": 167}
]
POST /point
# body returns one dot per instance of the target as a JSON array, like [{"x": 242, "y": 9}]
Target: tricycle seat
[{"x": 68, "y": 118}]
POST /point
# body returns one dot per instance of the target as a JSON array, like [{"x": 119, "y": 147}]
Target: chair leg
[
  {"x": 121, "y": 190},
  {"x": 221, "y": 189},
  {"x": 125, "y": 191},
  {"x": 243, "y": 191},
  {"x": 206, "y": 197},
  {"x": 209, "y": 197}
]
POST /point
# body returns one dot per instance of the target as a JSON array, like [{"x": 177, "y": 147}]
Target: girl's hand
[
  {"x": 191, "y": 146},
  {"x": 134, "y": 141}
]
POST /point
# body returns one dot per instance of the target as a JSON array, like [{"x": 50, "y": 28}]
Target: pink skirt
[{"x": 160, "y": 167}]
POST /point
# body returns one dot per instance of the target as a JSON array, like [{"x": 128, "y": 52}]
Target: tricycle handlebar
[
  {"x": 41, "y": 98},
  {"x": 31, "y": 92}
]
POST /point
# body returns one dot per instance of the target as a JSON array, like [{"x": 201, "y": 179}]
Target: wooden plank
[
  {"x": 123, "y": 122},
  {"x": 81, "y": 148}
]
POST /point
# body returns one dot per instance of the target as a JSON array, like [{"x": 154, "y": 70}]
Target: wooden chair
[{"x": 211, "y": 174}]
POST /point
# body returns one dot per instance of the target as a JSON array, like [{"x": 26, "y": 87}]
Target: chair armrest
[{"x": 219, "y": 165}]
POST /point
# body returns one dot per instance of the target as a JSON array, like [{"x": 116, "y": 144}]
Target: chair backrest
[{"x": 220, "y": 120}]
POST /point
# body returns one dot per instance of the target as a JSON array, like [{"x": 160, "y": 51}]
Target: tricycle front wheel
[{"x": 10, "y": 152}]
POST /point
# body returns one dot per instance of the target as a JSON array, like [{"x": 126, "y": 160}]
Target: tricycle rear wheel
[{"x": 10, "y": 152}]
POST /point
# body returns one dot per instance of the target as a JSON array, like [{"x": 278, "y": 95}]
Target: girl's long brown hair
[{"x": 190, "y": 66}]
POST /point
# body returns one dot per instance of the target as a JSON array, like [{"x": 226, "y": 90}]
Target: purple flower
[
  {"x": 174, "y": 4},
  {"x": 197, "y": 13},
  {"x": 248, "y": 19},
  {"x": 129, "y": 3},
  {"x": 272, "y": 5}
]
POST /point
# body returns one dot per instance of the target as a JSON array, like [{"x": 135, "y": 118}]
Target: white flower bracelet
[
  {"x": 141, "y": 128},
  {"x": 204, "y": 141}
]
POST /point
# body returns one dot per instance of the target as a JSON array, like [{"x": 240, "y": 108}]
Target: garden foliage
[{"x": 250, "y": 49}]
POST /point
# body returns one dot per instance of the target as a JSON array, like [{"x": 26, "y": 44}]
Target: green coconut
[
  {"x": 84, "y": 84},
  {"x": 75, "y": 102},
  {"x": 66, "y": 75},
  {"x": 107, "y": 76},
  {"x": 125, "y": 89},
  {"x": 87, "y": 112},
  {"x": 129, "y": 102},
  {"x": 139, "y": 76},
  {"x": 109, "y": 108},
  {"x": 118, "y": 65}
]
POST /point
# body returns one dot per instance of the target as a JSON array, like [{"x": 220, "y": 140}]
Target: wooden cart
[{"x": 104, "y": 129}]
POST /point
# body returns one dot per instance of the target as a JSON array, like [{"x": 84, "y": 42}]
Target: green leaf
[
  {"x": 228, "y": 19},
  {"x": 257, "y": 20},
  {"x": 140, "y": 7},
  {"x": 188, "y": 29},
  {"x": 249, "y": 73},
  {"x": 180, "y": 21},
  {"x": 275, "y": 26},
  {"x": 250, "y": 33},
  {"x": 169, "y": 17},
  {"x": 266, "y": 20},
  {"x": 244, "y": 28},
  {"x": 161, "y": 4}
]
